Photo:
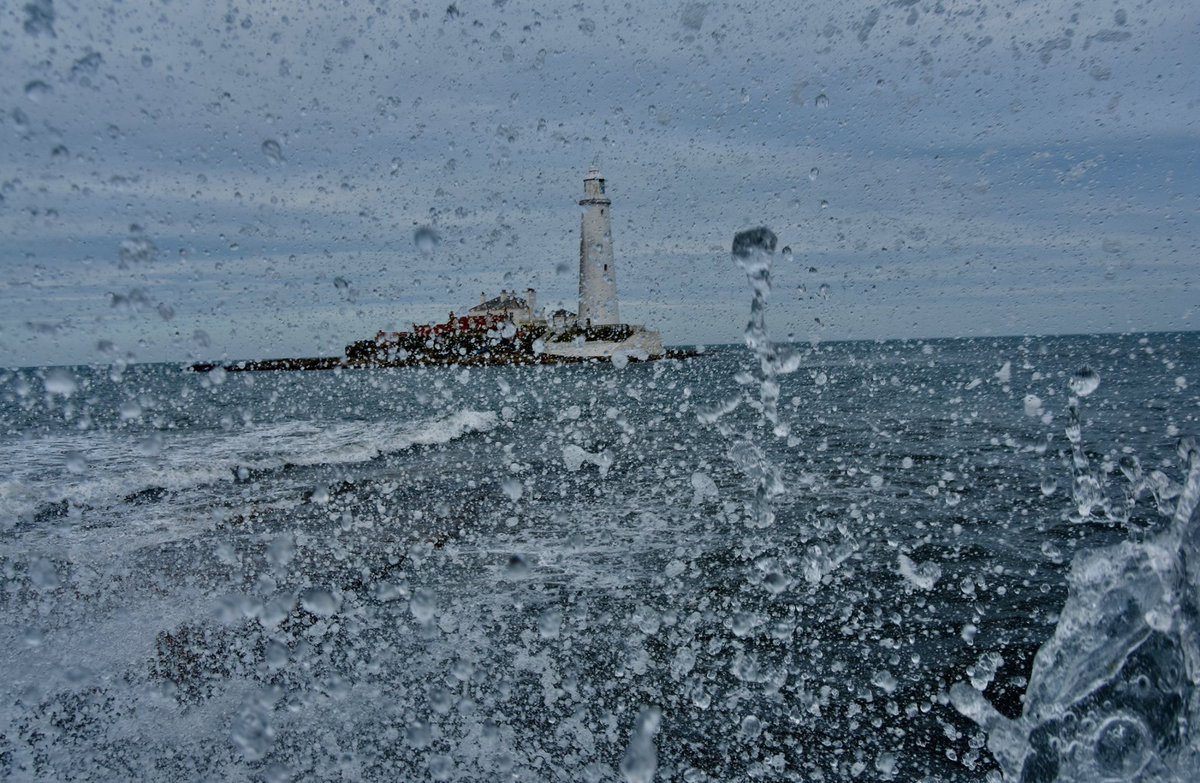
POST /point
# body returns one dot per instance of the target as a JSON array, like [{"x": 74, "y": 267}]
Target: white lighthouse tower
[{"x": 597, "y": 272}]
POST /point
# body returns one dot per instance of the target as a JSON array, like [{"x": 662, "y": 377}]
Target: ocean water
[{"x": 608, "y": 572}]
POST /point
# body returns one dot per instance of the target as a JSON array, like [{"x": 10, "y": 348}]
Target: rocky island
[{"x": 509, "y": 329}]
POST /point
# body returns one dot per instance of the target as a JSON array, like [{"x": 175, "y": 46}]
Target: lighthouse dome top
[{"x": 593, "y": 188}]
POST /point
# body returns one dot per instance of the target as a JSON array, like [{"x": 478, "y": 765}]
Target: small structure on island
[{"x": 520, "y": 310}]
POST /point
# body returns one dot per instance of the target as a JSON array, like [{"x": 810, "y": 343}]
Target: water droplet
[
  {"x": 320, "y": 496},
  {"x": 1049, "y": 486},
  {"x": 884, "y": 681},
  {"x": 426, "y": 239},
  {"x": 824, "y": 204},
  {"x": 754, "y": 241},
  {"x": 692, "y": 15},
  {"x": 440, "y": 700},
  {"x": 750, "y": 728},
  {"x": 319, "y": 601},
  {"x": 441, "y": 767},
  {"x": 341, "y": 283},
  {"x": 1121, "y": 747},
  {"x": 273, "y": 151},
  {"x": 641, "y": 757},
  {"x": 518, "y": 566},
  {"x": 823, "y": 291},
  {"x": 822, "y": 101},
  {"x": 813, "y": 172},
  {"x": 61, "y": 382},
  {"x": 512, "y": 488},
  {"x": 147, "y": 61},
  {"x": 550, "y": 623},
  {"x": 1084, "y": 382},
  {"x": 39, "y": 17},
  {"x": 423, "y": 605},
  {"x": 137, "y": 249},
  {"x": 252, "y": 733},
  {"x": 37, "y": 90},
  {"x": 76, "y": 463},
  {"x": 280, "y": 552},
  {"x": 43, "y": 574}
]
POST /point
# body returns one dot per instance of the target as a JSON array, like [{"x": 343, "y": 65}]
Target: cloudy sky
[{"x": 190, "y": 180}]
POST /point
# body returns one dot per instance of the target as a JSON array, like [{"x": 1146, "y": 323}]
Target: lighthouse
[{"x": 597, "y": 272}]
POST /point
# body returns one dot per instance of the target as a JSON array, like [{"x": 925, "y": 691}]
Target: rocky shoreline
[{"x": 487, "y": 359}]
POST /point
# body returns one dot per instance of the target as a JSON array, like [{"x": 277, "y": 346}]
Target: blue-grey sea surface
[{"x": 553, "y": 573}]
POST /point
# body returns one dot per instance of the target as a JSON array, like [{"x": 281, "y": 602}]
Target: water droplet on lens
[
  {"x": 550, "y": 623},
  {"x": 318, "y": 601},
  {"x": 273, "y": 151},
  {"x": 76, "y": 463},
  {"x": 60, "y": 381},
  {"x": 824, "y": 204},
  {"x": 512, "y": 488},
  {"x": 1084, "y": 382},
  {"x": 822, "y": 101},
  {"x": 426, "y": 239},
  {"x": 37, "y": 90},
  {"x": 813, "y": 172},
  {"x": 641, "y": 757},
  {"x": 423, "y": 605},
  {"x": 1121, "y": 747},
  {"x": 1049, "y": 486},
  {"x": 43, "y": 574},
  {"x": 754, "y": 240},
  {"x": 518, "y": 566}
]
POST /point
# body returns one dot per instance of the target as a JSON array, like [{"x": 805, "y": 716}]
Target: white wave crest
[{"x": 98, "y": 468}]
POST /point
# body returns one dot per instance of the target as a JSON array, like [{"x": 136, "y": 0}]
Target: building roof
[{"x": 500, "y": 303}]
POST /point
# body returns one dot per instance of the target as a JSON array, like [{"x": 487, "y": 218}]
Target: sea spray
[
  {"x": 754, "y": 251},
  {"x": 1113, "y": 694}
]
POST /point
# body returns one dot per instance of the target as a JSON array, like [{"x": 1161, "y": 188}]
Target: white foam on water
[{"x": 37, "y": 471}]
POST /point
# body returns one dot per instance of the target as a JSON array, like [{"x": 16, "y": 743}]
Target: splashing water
[
  {"x": 753, "y": 251},
  {"x": 1113, "y": 694},
  {"x": 641, "y": 757}
]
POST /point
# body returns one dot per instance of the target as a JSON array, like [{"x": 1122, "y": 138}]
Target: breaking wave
[{"x": 97, "y": 469}]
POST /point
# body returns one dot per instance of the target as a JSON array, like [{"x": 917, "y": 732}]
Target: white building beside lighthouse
[{"x": 597, "y": 269}]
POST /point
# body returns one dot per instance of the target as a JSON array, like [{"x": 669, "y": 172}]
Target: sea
[{"x": 936, "y": 560}]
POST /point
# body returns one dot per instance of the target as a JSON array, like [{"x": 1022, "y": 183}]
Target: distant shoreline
[{"x": 477, "y": 360}]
